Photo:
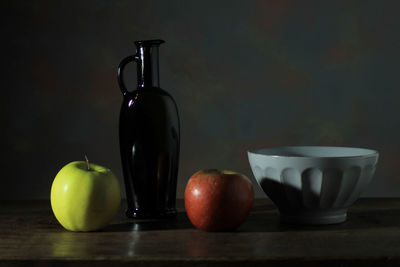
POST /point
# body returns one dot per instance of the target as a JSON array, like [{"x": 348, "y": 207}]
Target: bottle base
[{"x": 150, "y": 214}]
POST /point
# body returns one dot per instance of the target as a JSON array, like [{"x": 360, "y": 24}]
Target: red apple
[{"x": 218, "y": 200}]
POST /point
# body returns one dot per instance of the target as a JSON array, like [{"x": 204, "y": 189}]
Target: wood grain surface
[{"x": 30, "y": 235}]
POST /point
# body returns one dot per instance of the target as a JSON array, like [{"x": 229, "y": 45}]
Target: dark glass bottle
[{"x": 149, "y": 136}]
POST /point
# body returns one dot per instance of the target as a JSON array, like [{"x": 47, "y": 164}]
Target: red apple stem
[{"x": 87, "y": 162}]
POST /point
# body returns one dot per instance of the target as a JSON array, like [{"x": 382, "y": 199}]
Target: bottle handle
[{"x": 121, "y": 67}]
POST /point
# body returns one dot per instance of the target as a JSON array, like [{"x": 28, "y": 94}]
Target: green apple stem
[{"x": 87, "y": 162}]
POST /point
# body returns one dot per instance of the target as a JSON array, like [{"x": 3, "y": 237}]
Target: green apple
[{"x": 85, "y": 197}]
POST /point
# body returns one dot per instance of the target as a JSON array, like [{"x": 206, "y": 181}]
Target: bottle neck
[{"x": 147, "y": 66}]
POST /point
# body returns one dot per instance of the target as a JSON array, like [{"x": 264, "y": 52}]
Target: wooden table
[{"x": 30, "y": 234}]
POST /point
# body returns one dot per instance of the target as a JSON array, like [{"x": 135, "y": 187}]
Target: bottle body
[{"x": 149, "y": 134}]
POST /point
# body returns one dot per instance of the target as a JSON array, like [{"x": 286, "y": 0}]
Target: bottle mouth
[{"x": 149, "y": 42}]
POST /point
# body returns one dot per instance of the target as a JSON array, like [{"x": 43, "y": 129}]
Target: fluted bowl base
[{"x": 315, "y": 217}]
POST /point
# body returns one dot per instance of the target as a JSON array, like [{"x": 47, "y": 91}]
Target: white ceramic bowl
[{"x": 313, "y": 184}]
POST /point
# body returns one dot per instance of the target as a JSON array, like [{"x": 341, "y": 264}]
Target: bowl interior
[{"x": 314, "y": 151}]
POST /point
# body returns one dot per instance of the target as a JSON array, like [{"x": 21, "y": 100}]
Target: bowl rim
[{"x": 261, "y": 152}]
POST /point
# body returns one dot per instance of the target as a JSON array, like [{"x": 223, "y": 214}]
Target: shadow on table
[
  {"x": 265, "y": 219},
  {"x": 179, "y": 222}
]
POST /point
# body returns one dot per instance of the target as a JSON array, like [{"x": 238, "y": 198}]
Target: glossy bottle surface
[{"x": 149, "y": 135}]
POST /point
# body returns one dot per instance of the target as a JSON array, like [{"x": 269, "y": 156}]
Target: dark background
[{"x": 245, "y": 74}]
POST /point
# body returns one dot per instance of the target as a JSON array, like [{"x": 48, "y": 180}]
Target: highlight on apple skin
[
  {"x": 85, "y": 197},
  {"x": 218, "y": 200}
]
